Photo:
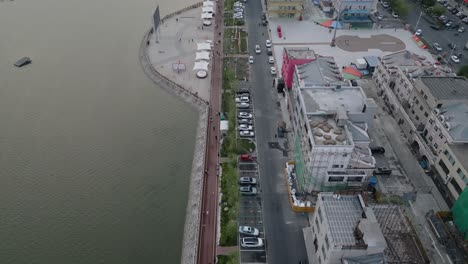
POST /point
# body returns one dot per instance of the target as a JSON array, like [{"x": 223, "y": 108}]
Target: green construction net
[{"x": 460, "y": 213}]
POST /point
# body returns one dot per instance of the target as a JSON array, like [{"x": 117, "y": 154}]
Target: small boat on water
[{"x": 23, "y": 61}]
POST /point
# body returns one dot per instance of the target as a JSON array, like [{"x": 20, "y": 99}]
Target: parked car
[
  {"x": 382, "y": 171},
  {"x": 245, "y": 127},
  {"x": 378, "y": 150},
  {"x": 459, "y": 14},
  {"x": 245, "y": 121},
  {"x": 454, "y": 11},
  {"x": 437, "y": 47},
  {"x": 273, "y": 70},
  {"x": 455, "y": 59},
  {"x": 442, "y": 17},
  {"x": 244, "y": 133},
  {"x": 461, "y": 30},
  {"x": 269, "y": 52},
  {"x": 247, "y": 157},
  {"x": 465, "y": 20},
  {"x": 459, "y": 55},
  {"x": 271, "y": 60},
  {"x": 251, "y": 242},
  {"x": 248, "y": 231},
  {"x": 244, "y": 115},
  {"x": 436, "y": 27},
  {"x": 452, "y": 46},
  {"x": 257, "y": 49},
  {"x": 418, "y": 32},
  {"x": 207, "y": 22},
  {"x": 242, "y": 99},
  {"x": 248, "y": 190},
  {"x": 242, "y": 105},
  {"x": 449, "y": 24},
  {"x": 268, "y": 43},
  {"x": 395, "y": 15},
  {"x": 247, "y": 180}
]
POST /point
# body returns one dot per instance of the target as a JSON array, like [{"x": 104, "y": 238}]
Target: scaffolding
[{"x": 403, "y": 245}]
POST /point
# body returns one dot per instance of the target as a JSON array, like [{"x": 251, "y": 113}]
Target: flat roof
[
  {"x": 404, "y": 58},
  {"x": 300, "y": 53},
  {"x": 372, "y": 61},
  {"x": 343, "y": 215},
  {"x": 321, "y": 71},
  {"x": 447, "y": 88},
  {"x": 325, "y": 131},
  {"x": 328, "y": 100},
  {"x": 456, "y": 115}
]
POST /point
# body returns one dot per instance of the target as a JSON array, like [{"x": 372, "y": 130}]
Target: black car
[
  {"x": 382, "y": 171},
  {"x": 269, "y": 52},
  {"x": 378, "y": 150},
  {"x": 459, "y": 55},
  {"x": 452, "y": 46},
  {"x": 436, "y": 27},
  {"x": 454, "y": 11}
]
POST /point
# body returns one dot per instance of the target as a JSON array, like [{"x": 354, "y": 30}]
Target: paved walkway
[
  {"x": 224, "y": 251},
  {"x": 208, "y": 223}
]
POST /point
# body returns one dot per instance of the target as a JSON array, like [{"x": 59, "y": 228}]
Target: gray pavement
[{"x": 283, "y": 227}]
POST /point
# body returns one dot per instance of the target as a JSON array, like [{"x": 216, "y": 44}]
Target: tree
[
  {"x": 400, "y": 7},
  {"x": 463, "y": 71},
  {"x": 438, "y": 10},
  {"x": 429, "y": 3}
]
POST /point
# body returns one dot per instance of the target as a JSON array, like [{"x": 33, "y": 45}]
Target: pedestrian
[
  {"x": 395, "y": 29},
  {"x": 176, "y": 20}
]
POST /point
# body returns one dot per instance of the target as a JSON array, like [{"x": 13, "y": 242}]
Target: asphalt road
[
  {"x": 443, "y": 36},
  {"x": 283, "y": 227}
]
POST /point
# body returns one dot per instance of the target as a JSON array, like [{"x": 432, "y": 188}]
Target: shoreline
[{"x": 192, "y": 216}]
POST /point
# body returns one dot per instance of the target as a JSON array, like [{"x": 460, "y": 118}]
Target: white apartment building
[
  {"x": 329, "y": 120},
  {"x": 343, "y": 227},
  {"x": 452, "y": 166}
]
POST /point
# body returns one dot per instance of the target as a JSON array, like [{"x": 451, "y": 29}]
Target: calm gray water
[{"x": 94, "y": 159}]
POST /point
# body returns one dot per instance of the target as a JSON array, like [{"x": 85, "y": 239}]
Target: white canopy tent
[
  {"x": 203, "y": 46},
  {"x": 206, "y": 15},
  {"x": 203, "y": 55},
  {"x": 201, "y": 66},
  {"x": 208, "y": 3},
  {"x": 207, "y": 9}
]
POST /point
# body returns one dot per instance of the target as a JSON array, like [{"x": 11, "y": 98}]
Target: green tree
[
  {"x": 428, "y": 3},
  {"x": 438, "y": 10},
  {"x": 463, "y": 71},
  {"x": 400, "y": 7}
]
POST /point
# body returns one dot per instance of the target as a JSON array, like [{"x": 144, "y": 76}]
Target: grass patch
[
  {"x": 230, "y": 259},
  {"x": 245, "y": 146},
  {"x": 239, "y": 67},
  {"x": 243, "y": 42},
  {"x": 229, "y": 5},
  {"x": 235, "y": 41},
  {"x": 229, "y": 203}
]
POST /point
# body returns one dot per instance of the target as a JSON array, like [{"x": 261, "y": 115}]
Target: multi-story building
[
  {"x": 452, "y": 167},
  {"x": 283, "y": 8},
  {"x": 329, "y": 120},
  {"x": 342, "y": 228},
  {"x": 291, "y": 58}
]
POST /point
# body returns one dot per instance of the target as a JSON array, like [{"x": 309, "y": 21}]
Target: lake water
[{"x": 95, "y": 159}]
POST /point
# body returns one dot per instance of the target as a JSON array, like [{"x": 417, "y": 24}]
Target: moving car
[
  {"x": 242, "y": 105},
  {"x": 248, "y": 231},
  {"x": 247, "y": 180},
  {"x": 268, "y": 43},
  {"x": 455, "y": 59},
  {"x": 23, "y": 61},
  {"x": 257, "y": 49},
  {"x": 382, "y": 171},
  {"x": 244, "y": 115},
  {"x": 245, "y": 121},
  {"x": 248, "y": 190},
  {"x": 418, "y": 32},
  {"x": 273, "y": 70},
  {"x": 271, "y": 60},
  {"x": 244, "y": 133},
  {"x": 437, "y": 47},
  {"x": 378, "y": 150},
  {"x": 251, "y": 242},
  {"x": 251, "y": 60},
  {"x": 245, "y": 127}
]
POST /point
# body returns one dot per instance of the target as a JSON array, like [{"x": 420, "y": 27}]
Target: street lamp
[{"x": 417, "y": 23}]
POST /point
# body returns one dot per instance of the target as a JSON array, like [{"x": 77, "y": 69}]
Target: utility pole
[
  {"x": 336, "y": 26},
  {"x": 417, "y": 23}
]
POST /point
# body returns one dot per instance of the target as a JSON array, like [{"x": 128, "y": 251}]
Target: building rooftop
[
  {"x": 460, "y": 151},
  {"x": 456, "y": 118},
  {"x": 357, "y": 132},
  {"x": 372, "y": 61},
  {"x": 345, "y": 214},
  {"x": 404, "y": 58},
  {"x": 325, "y": 131},
  {"x": 321, "y": 71},
  {"x": 300, "y": 53},
  {"x": 327, "y": 100},
  {"x": 447, "y": 88},
  {"x": 378, "y": 258}
]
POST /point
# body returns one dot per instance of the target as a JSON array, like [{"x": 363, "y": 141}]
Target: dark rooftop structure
[{"x": 447, "y": 88}]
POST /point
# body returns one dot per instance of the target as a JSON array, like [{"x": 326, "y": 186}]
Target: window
[
  {"x": 430, "y": 138},
  {"x": 320, "y": 214},
  {"x": 425, "y": 97},
  {"x": 318, "y": 227},
  {"x": 431, "y": 121},
  {"x": 426, "y": 114},
  {"x": 315, "y": 244},
  {"x": 444, "y": 167},
  {"x": 441, "y": 136},
  {"x": 327, "y": 243},
  {"x": 421, "y": 108},
  {"x": 417, "y": 101},
  {"x": 462, "y": 176},
  {"x": 324, "y": 254},
  {"x": 335, "y": 166},
  {"x": 335, "y": 179},
  {"x": 455, "y": 186},
  {"x": 417, "y": 118},
  {"x": 439, "y": 105},
  {"x": 354, "y": 179},
  {"x": 436, "y": 128},
  {"x": 412, "y": 111},
  {"x": 449, "y": 157},
  {"x": 436, "y": 146}
]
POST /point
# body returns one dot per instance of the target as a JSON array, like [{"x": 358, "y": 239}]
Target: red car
[{"x": 247, "y": 157}]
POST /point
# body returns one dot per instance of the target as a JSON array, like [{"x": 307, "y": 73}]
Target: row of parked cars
[
  {"x": 238, "y": 10},
  {"x": 244, "y": 119}
]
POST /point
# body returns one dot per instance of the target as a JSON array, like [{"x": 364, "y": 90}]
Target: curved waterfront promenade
[{"x": 192, "y": 220}]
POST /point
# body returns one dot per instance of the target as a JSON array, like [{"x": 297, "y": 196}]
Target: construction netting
[{"x": 460, "y": 213}]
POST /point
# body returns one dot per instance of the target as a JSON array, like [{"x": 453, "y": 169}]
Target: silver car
[
  {"x": 242, "y": 105},
  {"x": 248, "y": 190},
  {"x": 245, "y": 127},
  {"x": 248, "y": 231},
  {"x": 245, "y": 121},
  {"x": 244, "y": 115},
  {"x": 251, "y": 242}
]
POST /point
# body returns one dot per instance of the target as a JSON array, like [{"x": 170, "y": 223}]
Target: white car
[
  {"x": 207, "y": 22},
  {"x": 461, "y": 30},
  {"x": 455, "y": 59},
  {"x": 244, "y": 133},
  {"x": 244, "y": 115},
  {"x": 380, "y": 17},
  {"x": 248, "y": 231},
  {"x": 245, "y": 127},
  {"x": 418, "y": 32},
  {"x": 437, "y": 46},
  {"x": 273, "y": 70},
  {"x": 245, "y": 121},
  {"x": 242, "y": 99},
  {"x": 251, "y": 242},
  {"x": 242, "y": 105},
  {"x": 268, "y": 43},
  {"x": 271, "y": 60},
  {"x": 251, "y": 59},
  {"x": 257, "y": 49}
]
